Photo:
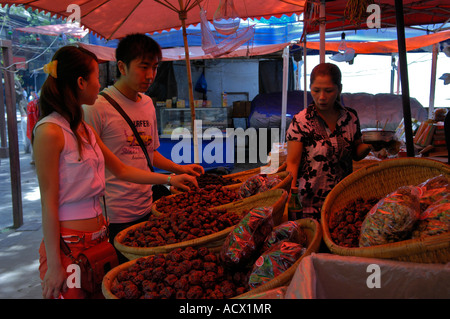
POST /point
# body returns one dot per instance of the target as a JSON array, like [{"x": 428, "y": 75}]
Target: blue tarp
[{"x": 271, "y": 31}]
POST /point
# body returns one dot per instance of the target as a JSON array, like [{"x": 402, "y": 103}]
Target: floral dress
[{"x": 327, "y": 156}]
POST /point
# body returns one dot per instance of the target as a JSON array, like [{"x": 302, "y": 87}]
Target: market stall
[
  {"x": 218, "y": 243},
  {"x": 418, "y": 254},
  {"x": 223, "y": 242}
]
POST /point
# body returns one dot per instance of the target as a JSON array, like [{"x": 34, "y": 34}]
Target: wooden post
[
  {"x": 14, "y": 162},
  {"x": 183, "y": 15}
]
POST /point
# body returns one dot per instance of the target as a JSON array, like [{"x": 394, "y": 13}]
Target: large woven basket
[
  {"x": 286, "y": 181},
  {"x": 359, "y": 164},
  {"x": 275, "y": 198},
  {"x": 313, "y": 234},
  {"x": 376, "y": 181},
  {"x": 244, "y": 175}
]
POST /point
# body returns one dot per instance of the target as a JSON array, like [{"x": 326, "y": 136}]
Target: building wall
[{"x": 222, "y": 75}]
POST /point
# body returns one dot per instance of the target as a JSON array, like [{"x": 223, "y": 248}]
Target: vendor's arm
[
  {"x": 294, "y": 156},
  {"x": 166, "y": 164},
  {"x": 47, "y": 146},
  {"x": 361, "y": 150},
  {"x": 138, "y": 176}
]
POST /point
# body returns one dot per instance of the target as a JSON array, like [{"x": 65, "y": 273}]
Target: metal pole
[
  {"x": 284, "y": 94},
  {"x": 433, "y": 80},
  {"x": 322, "y": 31},
  {"x": 404, "y": 77}
]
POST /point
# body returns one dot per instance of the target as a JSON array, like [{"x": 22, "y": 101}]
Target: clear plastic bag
[
  {"x": 434, "y": 220},
  {"x": 433, "y": 190},
  {"x": 274, "y": 262},
  {"x": 257, "y": 184},
  {"x": 242, "y": 246},
  {"x": 392, "y": 219},
  {"x": 290, "y": 231}
]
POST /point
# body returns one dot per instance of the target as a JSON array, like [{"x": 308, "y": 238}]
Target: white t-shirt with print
[{"x": 125, "y": 202}]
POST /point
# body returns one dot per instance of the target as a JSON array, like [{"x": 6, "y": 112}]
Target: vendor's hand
[
  {"x": 378, "y": 146},
  {"x": 54, "y": 283},
  {"x": 394, "y": 147},
  {"x": 181, "y": 181},
  {"x": 193, "y": 169}
]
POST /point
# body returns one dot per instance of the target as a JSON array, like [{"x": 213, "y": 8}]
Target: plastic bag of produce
[
  {"x": 433, "y": 190},
  {"x": 257, "y": 184},
  {"x": 274, "y": 262},
  {"x": 290, "y": 231},
  {"x": 392, "y": 219},
  {"x": 434, "y": 220},
  {"x": 247, "y": 238}
]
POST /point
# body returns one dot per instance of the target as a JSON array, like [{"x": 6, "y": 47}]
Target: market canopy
[
  {"x": 370, "y": 47},
  {"x": 72, "y": 29},
  {"x": 114, "y": 19},
  {"x": 424, "y": 12},
  {"x": 104, "y": 53}
]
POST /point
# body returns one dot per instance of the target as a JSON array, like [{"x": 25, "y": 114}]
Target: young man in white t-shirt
[{"x": 138, "y": 57}]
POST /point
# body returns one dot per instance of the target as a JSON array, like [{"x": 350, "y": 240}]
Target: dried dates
[
  {"x": 179, "y": 226},
  {"x": 345, "y": 224},
  {"x": 211, "y": 195},
  {"x": 181, "y": 274}
]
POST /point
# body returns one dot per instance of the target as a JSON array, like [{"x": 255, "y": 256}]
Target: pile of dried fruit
[
  {"x": 179, "y": 226},
  {"x": 182, "y": 274},
  {"x": 211, "y": 195},
  {"x": 212, "y": 179},
  {"x": 345, "y": 224}
]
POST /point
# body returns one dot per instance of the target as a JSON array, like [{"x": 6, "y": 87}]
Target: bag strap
[{"x": 130, "y": 123}]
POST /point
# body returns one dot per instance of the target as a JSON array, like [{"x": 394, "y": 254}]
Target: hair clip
[{"x": 50, "y": 68}]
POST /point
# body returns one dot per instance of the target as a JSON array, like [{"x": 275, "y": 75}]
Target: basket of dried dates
[
  {"x": 208, "y": 196},
  {"x": 200, "y": 273},
  {"x": 396, "y": 209},
  {"x": 216, "y": 195},
  {"x": 281, "y": 179},
  {"x": 211, "y": 179},
  {"x": 195, "y": 226}
]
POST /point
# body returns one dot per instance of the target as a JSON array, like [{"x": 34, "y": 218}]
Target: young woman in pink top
[{"x": 70, "y": 161}]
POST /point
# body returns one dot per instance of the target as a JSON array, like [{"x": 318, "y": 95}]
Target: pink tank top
[{"x": 81, "y": 180}]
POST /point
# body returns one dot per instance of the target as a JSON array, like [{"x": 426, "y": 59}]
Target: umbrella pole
[
  {"x": 191, "y": 92},
  {"x": 284, "y": 94},
  {"x": 404, "y": 78},
  {"x": 433, "y": 81},
  {"x": 322, "y": 31}
]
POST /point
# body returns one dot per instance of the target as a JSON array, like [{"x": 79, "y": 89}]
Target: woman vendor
[{"x": 322, "y": 141}]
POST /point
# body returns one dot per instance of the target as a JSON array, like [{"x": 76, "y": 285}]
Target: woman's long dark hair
[{"x": 60, "y": 94}]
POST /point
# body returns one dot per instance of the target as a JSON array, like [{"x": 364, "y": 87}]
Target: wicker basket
[
  {"x": 314, "y": 236},
  {"x": 359, "y": 164},
  {"x": 244, "y": 175},
  {"x": 275, "y": 198},
  {"x": 376, "y": 181},
  {"x": 286, "y": 181}
]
